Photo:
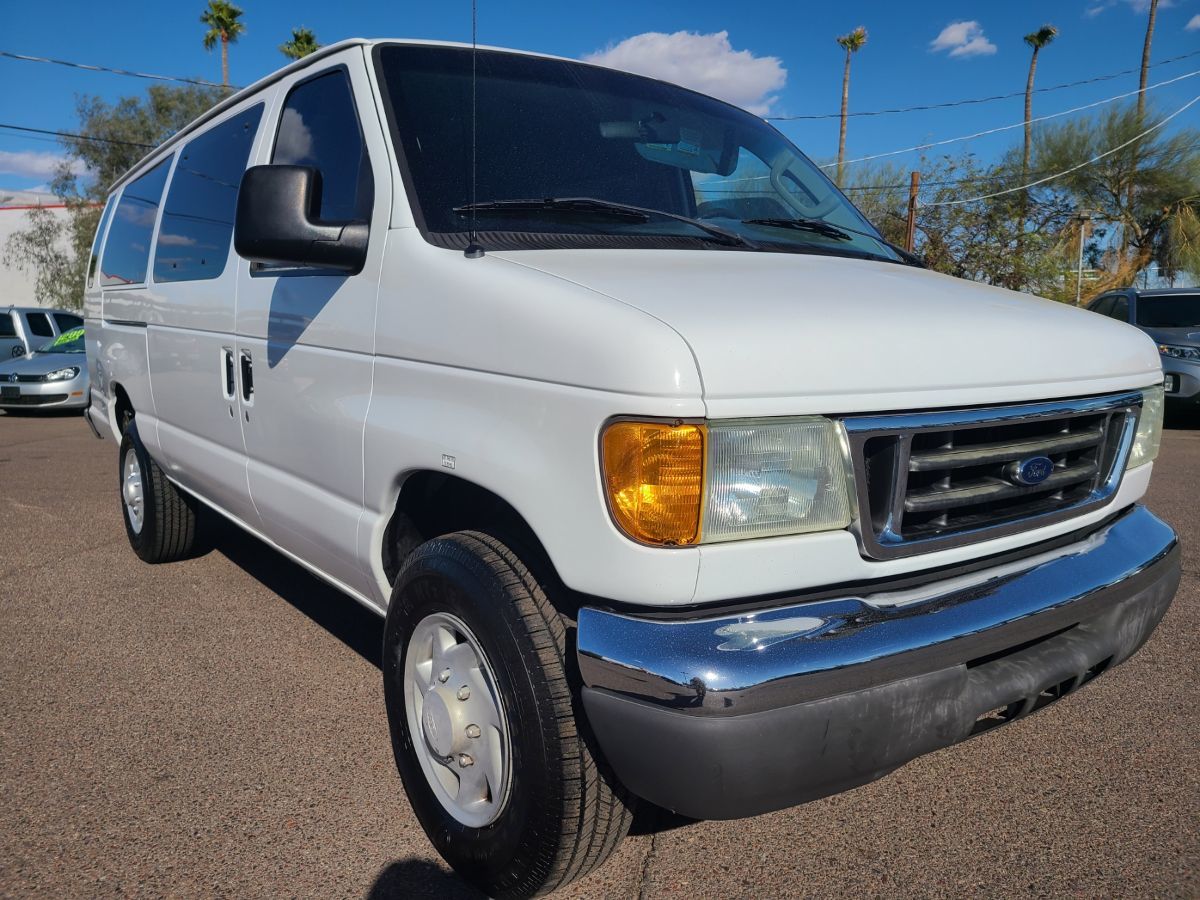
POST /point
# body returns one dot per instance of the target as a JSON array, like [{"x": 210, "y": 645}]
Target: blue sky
[{"x": 776, "y": 57}]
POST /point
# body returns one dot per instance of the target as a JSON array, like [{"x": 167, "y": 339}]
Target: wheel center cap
[{"x": 437, "y": 724}]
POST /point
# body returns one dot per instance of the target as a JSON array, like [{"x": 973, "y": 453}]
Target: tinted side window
[
  {"x": 104, "y": 217},
  {"x": 7, "y": 328},
  {"x": 319, "y": 127},
  {"x": 1103, "y": 306},
  {"x": 66, "y": 321},
  {"x": 39, "y": 324},
  {"x": 197, "y": 221},
  {"x": 127, "y": 249},
  {"x": 1120, "y": 309}
]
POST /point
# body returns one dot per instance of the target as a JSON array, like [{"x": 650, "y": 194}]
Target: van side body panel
[
  {"x": 505, "y": 377},
  {"x": 310, "y": 336}
]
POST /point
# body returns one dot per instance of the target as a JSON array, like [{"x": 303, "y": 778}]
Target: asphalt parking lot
[{"x": 215, "y": 727}]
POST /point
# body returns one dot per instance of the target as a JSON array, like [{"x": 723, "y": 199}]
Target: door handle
[
  {"x": 247, "y": 364},
  {"x": 229, "y": 374}
]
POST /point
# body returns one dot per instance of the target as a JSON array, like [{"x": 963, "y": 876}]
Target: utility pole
[
  {"x": 910, "y": 234},
  {"x": 1083, "y": 223}
]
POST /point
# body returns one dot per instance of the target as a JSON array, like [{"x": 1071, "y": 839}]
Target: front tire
[
  {"x": 160, "y": 520},
  {"x": 475, "y": 666}
]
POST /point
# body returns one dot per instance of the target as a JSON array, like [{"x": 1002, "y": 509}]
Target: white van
[{"x": 673, "y": 480}]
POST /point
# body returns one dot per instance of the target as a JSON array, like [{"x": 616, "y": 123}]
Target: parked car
[
  {"x": 1172, "y": 319},
  {"x": 674, "y": 481},
  {"x": 55, "y": 376},
  {"x": 23, "y": 328}
]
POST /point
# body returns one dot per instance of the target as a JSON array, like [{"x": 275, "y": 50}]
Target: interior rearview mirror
[{"x": 279, "y": 221}]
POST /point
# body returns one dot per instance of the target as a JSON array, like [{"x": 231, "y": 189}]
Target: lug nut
[
  {"x": 444, "y": 676},
  {"x": 473, "y": 731},
  {"x": 464, "y": 760},
  {"x": 464, "y": 693}
]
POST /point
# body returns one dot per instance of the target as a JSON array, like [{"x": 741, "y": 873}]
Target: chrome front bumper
[{"x": 727, "y": 716}]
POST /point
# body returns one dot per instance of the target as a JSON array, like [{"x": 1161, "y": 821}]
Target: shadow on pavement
[
  {"x": 354, "y": 625},
  {"x": 17, "y": 413},
  {"x": 420, "y": 878},
  {"x": 1182, "y": 419}
]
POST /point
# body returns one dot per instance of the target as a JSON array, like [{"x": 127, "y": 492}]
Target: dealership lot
[{"x": 216, "y": 727}]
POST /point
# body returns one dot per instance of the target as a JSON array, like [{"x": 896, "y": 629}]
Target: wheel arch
[{"x": 430, "y": 503}]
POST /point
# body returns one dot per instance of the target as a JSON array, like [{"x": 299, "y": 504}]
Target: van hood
[{"x": 847, "y": 335}]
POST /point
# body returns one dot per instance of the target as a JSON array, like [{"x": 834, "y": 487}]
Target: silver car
[
  {"x": 24, "y": 328},
  {"x": 54, "y": 376},
  {"x": 1172, "y": 318}
]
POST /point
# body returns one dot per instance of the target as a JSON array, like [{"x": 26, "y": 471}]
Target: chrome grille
[{"x": 931, "y": 480}]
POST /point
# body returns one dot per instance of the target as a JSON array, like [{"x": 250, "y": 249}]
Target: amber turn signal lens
[{"x": 654, "y": 475}]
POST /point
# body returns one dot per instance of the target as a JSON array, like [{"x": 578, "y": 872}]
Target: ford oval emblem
[{"x": 1033, "y": 471}]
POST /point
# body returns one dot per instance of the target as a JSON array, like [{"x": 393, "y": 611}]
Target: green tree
[
  {"x": 303, "y": 42},
  {"x": 1154, "y": 199},
  {"x": 224, "y": 26},
  {"x": 113, "y": 137},
  {"x": 41, "y": 249},
  {"x": 851, "y": 43}
]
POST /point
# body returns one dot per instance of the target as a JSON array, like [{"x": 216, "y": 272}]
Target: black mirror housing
[{"x": 278, "y": 221}]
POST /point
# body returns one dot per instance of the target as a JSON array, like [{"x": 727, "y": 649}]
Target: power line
[
  {"x": 79, "y": 137},
  {"x": 90, "y": 68},
  {"x": 973, "y": 100},
  {"x": 1094, "y": 159},
  {"x": 1065, "y": 112}
]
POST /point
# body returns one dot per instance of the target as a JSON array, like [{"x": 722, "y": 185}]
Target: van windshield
[{"x": 575, "y": 155}]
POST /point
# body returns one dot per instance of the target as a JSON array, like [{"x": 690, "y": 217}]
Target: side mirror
[{"x": 279, "y": 221}]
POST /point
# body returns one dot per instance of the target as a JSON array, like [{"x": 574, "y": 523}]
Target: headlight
[
  {"x": 682, "y": 484},
  {"x": 1179, "y": 352},
  {"x": 1149, "y": 428},
  {"x": 63, "y": 374}
]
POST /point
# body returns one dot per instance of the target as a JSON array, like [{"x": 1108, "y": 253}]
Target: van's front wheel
[{"x": 485, "y": 738}]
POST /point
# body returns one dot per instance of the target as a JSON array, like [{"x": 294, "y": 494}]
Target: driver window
[{"x": 319, "y": 127}]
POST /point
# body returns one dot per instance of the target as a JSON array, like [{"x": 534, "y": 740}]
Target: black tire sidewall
[
  {"x": 139, "y": 541},
  {"x": 522, "y": 841}
]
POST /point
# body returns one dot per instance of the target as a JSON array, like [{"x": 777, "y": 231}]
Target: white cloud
[
  {"x": 34, "y": 163},
  {"x": 963, "y": 39},
  {"x": 703, "y": 62},
  {"x": 1138, "y": 6},
  {"x": 1193, "y": 23}
]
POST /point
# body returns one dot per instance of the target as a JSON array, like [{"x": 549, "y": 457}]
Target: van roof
[{"x": 267, "y": 80}]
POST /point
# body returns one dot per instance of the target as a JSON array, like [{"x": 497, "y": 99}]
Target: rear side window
[
  {"x": 1120, "y": 309},
  {"x": 127, "y": 249},
  {"x": 39, "y": 324},
  {"x": 7, "y": 328},
  {"x": 319, "y": 128},
  {"x": 66, "y": 321},
  {"x": 104, "y": 217},
  {"x": 1103, "y": 306},
  {"x": 197, "y": 221}
]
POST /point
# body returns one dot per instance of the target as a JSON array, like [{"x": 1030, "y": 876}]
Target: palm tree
[
  {"x": 1037, "y": 40},
  {"x": 851, "y": 43},
  {"x": 1141, "y": 100},
  {"x": 303, "y": 42},
  {"x": 222, "y": 17}
]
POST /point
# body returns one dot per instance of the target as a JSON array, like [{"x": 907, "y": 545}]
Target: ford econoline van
[{"x": 675, "y": 482}]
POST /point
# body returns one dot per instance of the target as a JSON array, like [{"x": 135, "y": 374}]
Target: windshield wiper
[
  {"x": 816, "y": 226},
  {"x": 591, "y": 205},
  {"x": 841, "y": 233}
]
